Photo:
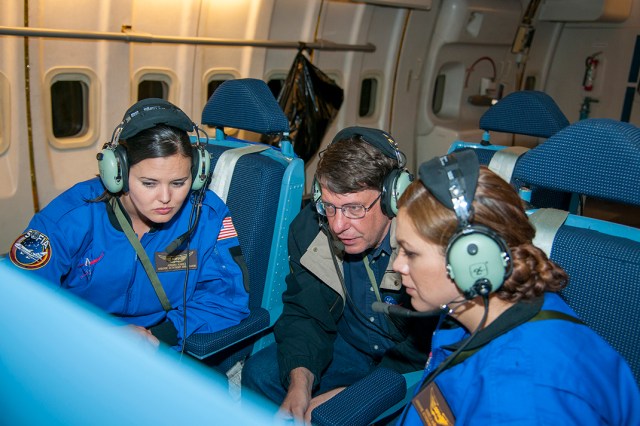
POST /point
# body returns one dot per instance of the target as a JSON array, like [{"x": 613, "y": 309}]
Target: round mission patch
[{"x": 31, "y": 250}]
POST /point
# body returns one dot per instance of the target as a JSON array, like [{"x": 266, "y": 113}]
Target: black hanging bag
[{"x": 310, "y": 100}]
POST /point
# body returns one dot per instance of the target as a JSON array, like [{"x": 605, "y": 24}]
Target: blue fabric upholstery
[
  {"x": 254, "y": 213},
  {"x": 598, "y": 158},
  {"x": 604, "y": 285},
  {"x": 247, "y": 104},
  {"x": 264, "y": 196},
  {"x": 578, "y": 158},
  {"x": 526, "y": 112},
  {"x": 381, "y": 389}
]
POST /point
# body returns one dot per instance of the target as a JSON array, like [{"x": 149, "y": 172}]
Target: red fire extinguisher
[{"x": 591, "y": 63}]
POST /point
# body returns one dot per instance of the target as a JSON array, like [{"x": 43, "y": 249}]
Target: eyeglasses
[{"x": 351, "y": 211}]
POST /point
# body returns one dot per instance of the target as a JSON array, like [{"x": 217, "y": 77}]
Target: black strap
[{"x": 142, "y": 255}]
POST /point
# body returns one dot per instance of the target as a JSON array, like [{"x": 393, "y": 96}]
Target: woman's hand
[{"x": 145, "y": 335}]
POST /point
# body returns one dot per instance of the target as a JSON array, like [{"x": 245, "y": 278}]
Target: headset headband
[
  {"x": 375, "y": 137},
  {"x": 452, "y": 179},
  {"x": 150, "y": 112}
]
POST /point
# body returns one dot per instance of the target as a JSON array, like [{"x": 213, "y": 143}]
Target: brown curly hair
[{"x": 498, "y": 207}]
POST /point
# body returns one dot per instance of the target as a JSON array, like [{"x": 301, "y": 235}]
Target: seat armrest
[
  {"x": 364, "y": 401},
  {"x": 203, "y": 345}
]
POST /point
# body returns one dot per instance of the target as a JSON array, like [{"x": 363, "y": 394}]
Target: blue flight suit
[
  {"x": 79, "y": 245},
  {"x": 538, "y": 373}
]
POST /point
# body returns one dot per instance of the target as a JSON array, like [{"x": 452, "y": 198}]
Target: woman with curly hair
[{"x": 508, "y": 349}]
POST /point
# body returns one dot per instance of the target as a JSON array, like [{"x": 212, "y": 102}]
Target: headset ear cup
[
  {"x": 395, "y": 183},
  {"x": 200, "y": 166},
  {"x": 476, "y": 255},
  {"x": 114, "y": 169},
  {"x": 316, "y": 191}
]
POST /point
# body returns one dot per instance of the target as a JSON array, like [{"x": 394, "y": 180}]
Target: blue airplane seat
[
  {"x": 526, "y": 112},
  {"x": 603, "y": 262},
  {"x": 262, "y": 186},
  {"x": 597, "y": 157},
  {"x": 245, "y": 103}
]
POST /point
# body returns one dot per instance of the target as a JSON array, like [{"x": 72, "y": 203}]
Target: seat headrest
[
  {"x": 526, "y": 112},
  {"x": 247, "y": 104}
]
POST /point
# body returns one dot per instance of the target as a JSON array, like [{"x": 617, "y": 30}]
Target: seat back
[
  {"x": 263, "y": 190},
  {"x": 603, "y": 263},
  {"x": 596, "y": 157},
  {"x": 265, "y": 194}
]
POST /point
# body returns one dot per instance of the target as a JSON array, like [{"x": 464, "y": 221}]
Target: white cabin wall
[
  {"x": 465, "y": 32},
  {"x": 59, "y": 167},
  {"x": 291, "y": 20},
  {"x": 164, "y": 18},
  {"x": 406, "y": 91},
  {"x": 564, "y": 65},
  {"x": 230, "y": 20}
]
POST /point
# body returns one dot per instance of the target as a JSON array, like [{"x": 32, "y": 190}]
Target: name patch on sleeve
[{"x": 31, "y": 250}]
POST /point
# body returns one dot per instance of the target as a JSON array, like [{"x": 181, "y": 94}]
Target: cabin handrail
[{"x": 135, "y": 37}]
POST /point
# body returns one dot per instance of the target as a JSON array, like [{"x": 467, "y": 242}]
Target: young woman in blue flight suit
[
  {"x": 151, "y": 193},
  {"x": 529, "y": 360}
]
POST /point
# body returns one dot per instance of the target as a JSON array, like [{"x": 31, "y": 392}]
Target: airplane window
[
  {"x": 438, "y": 93},
  {"x": 153, "y": 89},
  {"x": 213, "y": 85},
  {"x": 368, "y": 93},
  {"x": 276, "y": 84},
  {"x": 68, "y": 108}
]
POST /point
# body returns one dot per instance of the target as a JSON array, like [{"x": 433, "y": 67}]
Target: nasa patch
[{"x": 31, "y": 250}]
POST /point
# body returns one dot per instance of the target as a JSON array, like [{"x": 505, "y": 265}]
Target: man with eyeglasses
[{"x": 341, "y": 247}]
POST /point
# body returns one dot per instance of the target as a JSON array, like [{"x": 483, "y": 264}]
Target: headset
[
  {"x": 113, "y": 162},
  {"x": 394, "y": 183},
  {"x": 478, "y": 260}
]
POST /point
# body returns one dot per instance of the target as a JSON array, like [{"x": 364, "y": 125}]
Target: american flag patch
[{"x": 228, "y": 230}]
